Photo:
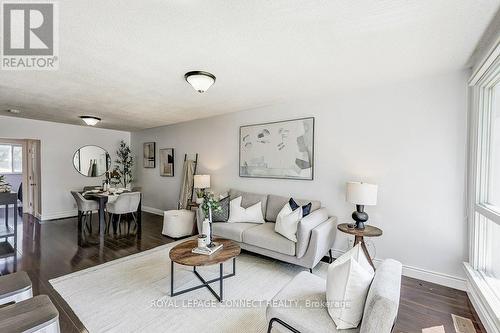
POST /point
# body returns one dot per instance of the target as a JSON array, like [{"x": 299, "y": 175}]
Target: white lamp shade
[
  {"x": 361, "y": 193},
  {"x": 201, "y": 181},
  {"x": 200, "y": 82}
]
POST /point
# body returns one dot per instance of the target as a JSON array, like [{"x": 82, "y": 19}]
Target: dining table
[{"x": 102, "y": 198}]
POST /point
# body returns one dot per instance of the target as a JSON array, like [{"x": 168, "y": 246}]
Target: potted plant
[
  {"x": 122, "y": 172},
  {"x": 199, "y": 196}
]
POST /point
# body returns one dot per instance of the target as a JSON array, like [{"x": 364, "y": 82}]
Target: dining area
[{"x": 117, "y": 207}]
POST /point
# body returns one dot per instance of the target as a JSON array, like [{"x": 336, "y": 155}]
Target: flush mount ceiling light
[
  {"x": 14, "y": 111},
  {"x": 200, "y": 81},
  {"x": 90, "y": 120}
]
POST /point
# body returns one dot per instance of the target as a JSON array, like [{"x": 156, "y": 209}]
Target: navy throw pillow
[{"x": 306, "y": 209}]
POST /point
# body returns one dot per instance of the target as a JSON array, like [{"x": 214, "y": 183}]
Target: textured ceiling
[{"x": 124, "y": 61}]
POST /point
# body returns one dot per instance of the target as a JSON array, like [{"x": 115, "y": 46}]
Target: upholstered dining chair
[
  {"x": 126, "y": 203},
  {"x": 85, "y": 208}
]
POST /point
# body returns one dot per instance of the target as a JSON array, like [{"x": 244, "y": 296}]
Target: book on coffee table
[{"x": 207, "y": 250}]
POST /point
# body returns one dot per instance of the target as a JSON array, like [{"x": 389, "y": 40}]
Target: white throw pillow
[
  {"x": 347, "y": 286},
  {"x": 357, "y": 254},
  {"x": 252, "y": 214},
  {"x": 288, "y": 221}
]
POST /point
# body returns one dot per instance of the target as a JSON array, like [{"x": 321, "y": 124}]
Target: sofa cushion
[
  {"x": 276, "y": 202},
  {"x": 221, "y": 215},
  {"x": 347, "y": 285},
  {"x": 359, "y": 255},
  {"x": 249, "y": 199},
  {"x": 264, "y": 236},
  {"x": 237, "y": 213},
  {"x": 304, "y": 287},
  {"x": 233, "y": 231},
  {"x": 306, "y": 209},
  {"x": 287, "y": 221}
]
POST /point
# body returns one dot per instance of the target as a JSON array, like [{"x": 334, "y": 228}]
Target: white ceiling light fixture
[
  {"x": 200, "y": 80},
  {"x": 90, "y": 120}
]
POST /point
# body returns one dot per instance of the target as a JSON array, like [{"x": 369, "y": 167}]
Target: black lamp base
[{"x": 360, "y": 216}]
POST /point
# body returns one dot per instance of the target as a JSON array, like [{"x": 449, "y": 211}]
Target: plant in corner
[{"x": 122, "y": 172}]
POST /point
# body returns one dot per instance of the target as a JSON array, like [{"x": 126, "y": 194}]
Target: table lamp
[
  {"x": 361, "y": 194},
  {"x": 201, "y": 181}
]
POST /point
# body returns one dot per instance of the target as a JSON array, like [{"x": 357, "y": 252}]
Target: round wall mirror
[{"x": 91, "y": 161}]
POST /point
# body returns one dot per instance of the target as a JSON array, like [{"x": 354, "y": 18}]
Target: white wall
[
  {"x": 58, "y": 144},
  {"x": 409, "y": 138}
]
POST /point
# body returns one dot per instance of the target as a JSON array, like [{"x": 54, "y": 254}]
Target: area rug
[{"x": 132, "y": 294}]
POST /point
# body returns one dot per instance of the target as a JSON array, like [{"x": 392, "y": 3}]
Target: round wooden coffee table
[{"x": 182, "y": 255}]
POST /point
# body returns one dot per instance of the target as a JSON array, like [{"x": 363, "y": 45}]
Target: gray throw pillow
[{"x": 223, "y": 214}]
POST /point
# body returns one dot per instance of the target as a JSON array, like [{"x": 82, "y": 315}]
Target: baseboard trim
[
  {"x": 59, "y": 215},
  {"x": 73, "y": 213},
  {"x": 423, "y": 274},
  {"x": 152, "y": 210},
  {"x": 435, "y": 277}
]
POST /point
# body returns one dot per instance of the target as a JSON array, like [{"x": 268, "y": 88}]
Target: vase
[{"x": 205, "y": 230}]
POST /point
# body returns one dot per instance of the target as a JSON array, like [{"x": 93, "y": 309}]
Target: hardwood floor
[{"x": 51, "y": 250}]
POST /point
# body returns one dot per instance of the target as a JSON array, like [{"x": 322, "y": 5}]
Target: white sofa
[{"x": 315, "y": 234}]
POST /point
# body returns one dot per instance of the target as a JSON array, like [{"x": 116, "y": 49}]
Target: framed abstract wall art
[
  {"x": 282, "y": 149},
  {"x": 149, "y": 155},
  {"x": 167, "y": 162}
]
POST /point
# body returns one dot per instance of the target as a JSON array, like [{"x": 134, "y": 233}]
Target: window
[
  {"x": 483, "y": 269},
  {"x": 494, "y": 156},
  {"x": 11, "y": 158}
]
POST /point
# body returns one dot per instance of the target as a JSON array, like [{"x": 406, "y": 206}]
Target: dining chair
[
  {"x": 126, "y": 203},
  {"x": 85, "y": 208},
  {"x": 20, "y": 199}
]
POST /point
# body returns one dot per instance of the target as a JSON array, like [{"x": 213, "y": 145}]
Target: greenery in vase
[
  {"x": 200, "y": 193},
  {"x": 122, "y": 173},
  {"x": 209, "y": 201}
]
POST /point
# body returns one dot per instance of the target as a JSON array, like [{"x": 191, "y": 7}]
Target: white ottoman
[{"x": 178, "y": 223}]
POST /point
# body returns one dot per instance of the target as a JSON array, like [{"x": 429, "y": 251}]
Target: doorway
[{"x": 20, "y": 168}]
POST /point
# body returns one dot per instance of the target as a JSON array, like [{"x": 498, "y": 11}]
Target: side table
[
  {"x": 359, "y": 234},
  {"x": 191, "y": 205}
]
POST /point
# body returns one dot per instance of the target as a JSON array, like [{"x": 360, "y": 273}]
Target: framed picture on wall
[
  {"x": 167, "y": 162},
  {"x": 282, "y": 149},
  {"x": 149, "y": 154}
]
